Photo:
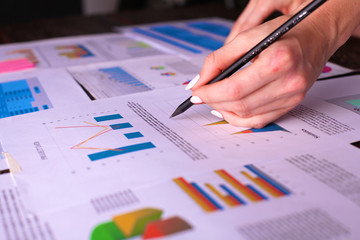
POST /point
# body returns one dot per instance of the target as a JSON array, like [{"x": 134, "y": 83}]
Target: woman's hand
[
  {"x": 258, "y": 10},
  {"x": 273, "y": 84}
]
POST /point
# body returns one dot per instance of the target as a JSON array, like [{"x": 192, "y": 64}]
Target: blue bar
[
  {"x": 207, "y": 196},
  {"x": 189, "y": 37},
  {"x": 133, "y": 135},
  {"x": 108, "y": 117},
  {"x": 122, "y": 150},
  {"x": 120, "y": 126},
  {"x": 231, "y": 193},
  {"x": 167, "y": 40},
  {"x": 267, "y": 178},
  {"x": 268, "y": 128},
  {"x": 210, "y": 27},
  {"x": 257, "y": 192}
]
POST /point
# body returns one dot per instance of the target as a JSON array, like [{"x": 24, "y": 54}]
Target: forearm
[{"x": 337, "y": 20}]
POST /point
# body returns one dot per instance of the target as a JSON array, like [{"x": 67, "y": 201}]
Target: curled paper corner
[{"x": 12, "y": 164}]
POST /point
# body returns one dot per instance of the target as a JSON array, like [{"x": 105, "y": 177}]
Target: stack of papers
[{"x": 98, "y": 157}]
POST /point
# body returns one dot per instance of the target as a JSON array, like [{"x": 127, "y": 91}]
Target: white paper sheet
[
  {"x": 112, "y": 79},
  {"x": 187, "y": 38},
  {"x": 73, "y": 150},
  {"x": 38, "y": 90}
]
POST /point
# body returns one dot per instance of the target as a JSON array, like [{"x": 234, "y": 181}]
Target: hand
[
  {"x": 257, "y": 11},
  {"x": 273, "y": 84}
]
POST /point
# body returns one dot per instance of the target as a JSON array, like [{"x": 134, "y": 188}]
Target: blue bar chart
[
  {"x": 185, "y": 35},
  {"x": 210, "y": 27},
  {"x": 21, "y": 97},
  {"x": 229, "y": 191},
  {"x": 126, "y": 83}
]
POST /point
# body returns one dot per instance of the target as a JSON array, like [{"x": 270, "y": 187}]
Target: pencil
[{"x": 261, "y": 46}]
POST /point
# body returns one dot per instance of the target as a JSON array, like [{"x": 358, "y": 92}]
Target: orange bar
[
  {"x": 195, "y": 195},
  {"x": 264, "y": 185},
  {"x": 250, "y": 194},
  {"x": 229, "y": 200}
]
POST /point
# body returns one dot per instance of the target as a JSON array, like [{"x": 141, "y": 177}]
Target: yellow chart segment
[
  {"x": 241, "y": 188},
  {"x": 263, "y": 185},
  {"x": 226, "y": 198},
  {"x": 197, "y": 199}
]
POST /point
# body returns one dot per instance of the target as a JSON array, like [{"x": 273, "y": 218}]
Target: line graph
[{"x": 104, "y": 129}]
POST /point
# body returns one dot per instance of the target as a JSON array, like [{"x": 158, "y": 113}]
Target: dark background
[{"x": 27, "y": 20}]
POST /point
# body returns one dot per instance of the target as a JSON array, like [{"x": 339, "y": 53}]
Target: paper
[
  {"x": 119, "y": 168},
  {"x": 132, "y": 76},
  {"x": 187, "y": 38},
  {"x": 129, "y": 142},
  {"x": 28, "y": 92}
]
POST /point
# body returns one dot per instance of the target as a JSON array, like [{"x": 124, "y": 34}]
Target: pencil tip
[{"x": 175, "y": 113}]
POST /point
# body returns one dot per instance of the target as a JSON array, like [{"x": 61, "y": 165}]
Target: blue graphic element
[
  {"x": 22, "y": 96},
  {"x": 231, "y": 193},
  {"x": 120, "y": 151},
  {"x": 210, "y": 27},
  {"x": 120, "y": 126},
  {"x": 207, "y": 196},
  {"x": 268, "y": 179},
  {"x": 126, "y": 80},
  {"x": 269, "y": 128},
  {"x": 108, "y": 117},
  {"x": 189, "y": 37},
  {"x": 88, "y": 53},
  {"x": 167, "y": 40},
  {"x": 133, "y": 135},
  {"x": 257, "y": 192}
]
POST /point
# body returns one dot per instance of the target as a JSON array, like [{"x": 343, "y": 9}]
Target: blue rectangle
[
  {"x": 133, "y": 135},
  {"x": 120, "y": 151},
  {"x": 120, "y": 126},
  {"x": 167, "y": 40},
  {"x": 231, "y": 193},
  {"x": 185, "y": 35},
  {"x": 210, "y": 27},
  {"x": 108, "y": 117},
  {"x": 257, "y": 192},
  {"x": 207, "y": 196},
  {"x": 267, "y": 178}
]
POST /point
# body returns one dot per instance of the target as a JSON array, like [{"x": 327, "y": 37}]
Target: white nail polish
[
  {"x": 217, "y": 114},
  {"x": 195, "y": 99},
  {"x": 192, "y": 82}
]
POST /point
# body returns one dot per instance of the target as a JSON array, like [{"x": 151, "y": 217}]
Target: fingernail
[
  {"x": 192, "y": 82},
  {"x": 217, "y": 114},
  {"x": 195, "y": 99}
]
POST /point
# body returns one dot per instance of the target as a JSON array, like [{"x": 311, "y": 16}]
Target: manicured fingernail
[
  {"x": 195, "y": 99},
  {"x": 192, "y": 82},
  {"x": 217, "y": 114}
]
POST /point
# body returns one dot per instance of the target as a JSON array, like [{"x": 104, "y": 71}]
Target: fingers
[
  {"x": 254, "y": 14},
  {"x": 219, "y": 60},
  {"x": 279, "y": 63},
  {"x": 258, "y": 121}
]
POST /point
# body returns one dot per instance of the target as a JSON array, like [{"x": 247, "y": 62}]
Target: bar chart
[
  {"x": 268, "y": 128},
  {"x": 21, "y": 97},
  {"x": 74, "y": 51},
  {"x": 106, "y": 127},
  {"x": 226, "y": 190},
  {"x": 210, "y": 27}
]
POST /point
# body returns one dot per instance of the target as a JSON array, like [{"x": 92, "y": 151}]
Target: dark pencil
[{"x": 266, "y": 42}]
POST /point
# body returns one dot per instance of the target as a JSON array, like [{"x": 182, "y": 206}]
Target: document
[
  {"x": 38, "y": 90},
  {"x": 118, "y": 157},
  {"x": 118, "y": 78}
]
